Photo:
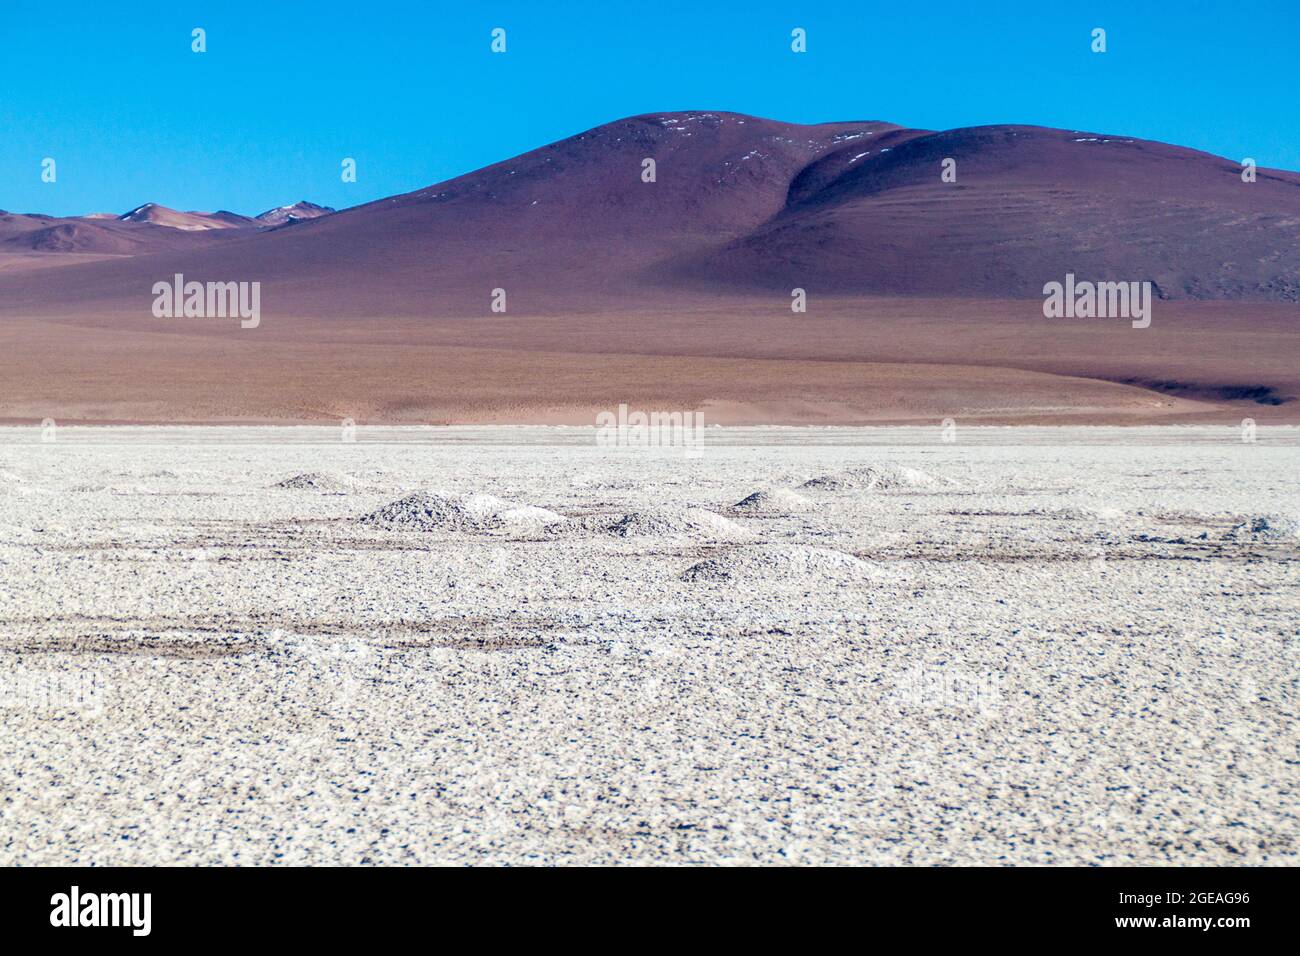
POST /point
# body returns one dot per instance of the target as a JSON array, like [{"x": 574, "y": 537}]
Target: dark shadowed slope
[{"x": 1028, "y": 205}]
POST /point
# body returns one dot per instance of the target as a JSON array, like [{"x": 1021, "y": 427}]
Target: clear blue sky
[{"x": 111, "y": 90}]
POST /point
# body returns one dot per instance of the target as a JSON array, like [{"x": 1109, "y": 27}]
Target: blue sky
[{"x": 287, "y": 89}]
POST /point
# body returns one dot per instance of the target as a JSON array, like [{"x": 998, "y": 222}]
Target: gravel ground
[{"x": 1030, "y": 646}]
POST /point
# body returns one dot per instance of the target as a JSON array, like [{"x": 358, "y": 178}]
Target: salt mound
[
  {"x": 675, "y": 523},
  {"x": 321, "y": 481},
  {"x": 777, "y": 501},
  {"x": 527, "y": 518},
  {"x": 793, "y": 564},
  {"x": 874, "y": 477},
  {"x": 427, "y": 511},
  {"x": 1265, "y": 528}
]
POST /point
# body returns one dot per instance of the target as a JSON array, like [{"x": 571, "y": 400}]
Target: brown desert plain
[{"x": 924, "y": 297}]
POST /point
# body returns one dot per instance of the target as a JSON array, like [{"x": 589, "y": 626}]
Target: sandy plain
[
  {"x": 849, "y": 361},
  {"x": 1021, "y": 646}
]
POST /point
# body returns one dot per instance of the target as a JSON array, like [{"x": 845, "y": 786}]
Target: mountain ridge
[
  {"x": 739, "y": 203},
  {"x": 149, "y": 227}
]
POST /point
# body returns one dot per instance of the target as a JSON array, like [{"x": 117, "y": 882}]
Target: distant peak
[
  {"x": 143, "y": 210},
  {"x": 294, "y": 212}
]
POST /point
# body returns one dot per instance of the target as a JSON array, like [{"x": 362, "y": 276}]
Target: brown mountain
[
  {"x": 568, "y": 224},
  {"x": 740, "y": 203}
]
